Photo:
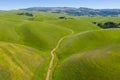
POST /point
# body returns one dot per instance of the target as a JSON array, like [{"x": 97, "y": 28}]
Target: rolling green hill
[
  {"x": 28, "y": 43},
  {"x": 89, "y": 56},
  {"x": 19, "y": 62},
  {"x": 88, "y": 40},
  {"x": 97, "y": 64}
]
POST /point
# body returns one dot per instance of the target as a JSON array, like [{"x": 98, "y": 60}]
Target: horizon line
[{"x": 55, "y": 7}]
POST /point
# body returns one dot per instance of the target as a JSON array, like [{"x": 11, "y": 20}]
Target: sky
[{"x": 96, "y": 4}]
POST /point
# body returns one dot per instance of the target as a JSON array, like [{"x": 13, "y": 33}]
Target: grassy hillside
[
  {"x": 18, "y": 62},
  {"x": 26, "y": 32},
  {"x": 76, "y": 25},
  {"x": 88, "y": 56},
  {"x": 44, "y": 34},
  {"x": 88, "y": 40},
  {"x": 98, "y": 64},
  {"x": 26, "y": 43},
  {"x": 35, "y": 34}
]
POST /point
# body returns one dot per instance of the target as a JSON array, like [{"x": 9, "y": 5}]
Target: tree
[
  {"x": 100, "y": 25},
  {"x": 62, "y": 17},
  {"x": 26, "y": 14},
  {"x": 94, "y": 22},
  {"x": 110, "y": 25}
]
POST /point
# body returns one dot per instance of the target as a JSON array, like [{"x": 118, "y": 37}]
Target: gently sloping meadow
[
  {"x": 89, "y": 56},
  {"x": 26, "y": 43}
]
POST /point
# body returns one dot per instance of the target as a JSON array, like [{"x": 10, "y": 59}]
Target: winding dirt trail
[
  {"x": 58, "y": 44},
  {"x": 53, "y": 56}
]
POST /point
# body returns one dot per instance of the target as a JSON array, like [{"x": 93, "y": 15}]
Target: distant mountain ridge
[
  {"x": 82, "y": 11},
  {"x": 1, "y": 10}
]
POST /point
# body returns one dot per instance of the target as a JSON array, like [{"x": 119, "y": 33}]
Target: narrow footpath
[{"x": 53, "y": 56}]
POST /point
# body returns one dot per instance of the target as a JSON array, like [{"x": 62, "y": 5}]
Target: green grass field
[
  {"x": 87, "y": 52},
  {"x": 89, "y": 56},
  {"x": 97, "y": 64}
]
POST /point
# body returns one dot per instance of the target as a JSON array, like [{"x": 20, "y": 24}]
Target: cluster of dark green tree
[
  {"x": 63, "y": 17},
  {"x": 108, "y": 25},
  {"x": 25, "y": 13}
]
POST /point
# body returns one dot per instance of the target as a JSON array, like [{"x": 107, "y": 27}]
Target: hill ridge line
[
  {"x": 84, "y": 32},
  {"x": 53, "y": 56}
]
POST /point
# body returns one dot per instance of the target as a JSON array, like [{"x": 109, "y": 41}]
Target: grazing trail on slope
[{"x": 53, "y": 55}]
